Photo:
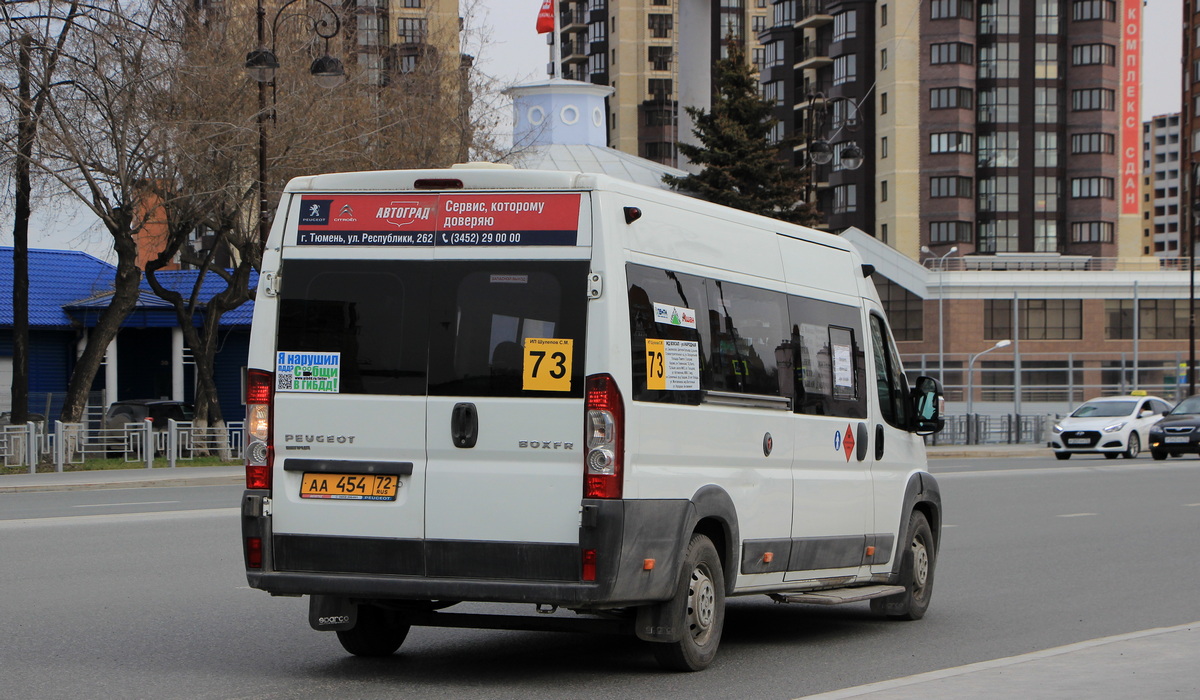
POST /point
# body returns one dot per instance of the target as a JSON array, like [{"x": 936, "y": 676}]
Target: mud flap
[
  {"x": 660, "y": 622},
  {"x": 898, "y": 604},
  {"x": 331, "y": 614}
]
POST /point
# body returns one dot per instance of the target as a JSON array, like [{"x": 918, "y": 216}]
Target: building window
[
  {"x": 659, "y": 151},
  {"x": 950, "y": 142},
  {"x": 1047, "y": 17},
  {"x": 952, "y": 9},
  {"x": 1092, "y": 232},
  {"x": 883, "y": 147},
  {"x": 1046, "y": 61},
  {"x": 1083, "y": 10},
  {"x": 1092, "y": 188},
  {"x": 999, "y": 17},
  {"x": 758, "y": 23},
  {"x": 1045, "y": 194},
  {"x": 659, "y": 117},
  {"x": 845, "y": 25},
  {"x": 598, "y": 63},
  {"x": 951, "y": 98},
  {"x": 1045, "y": 105},
  {"x": 785, "y": 14},
  {"x": 998, "y": 194},
  {"x": 410, "y": 31},
  {"x": 905, "y": 310},
  {"x": 660, "y": 57},
  {"x": 952, "y": 52},
  {"x": 1158, "y": 319},
  {"x": 950, "y": 186},
  {"x": 998, "y": 236},
  {"x": 883, "y": 103},
  {"x": 411, "y": 3},
  {"x": 660, "y": 89},
  {"x": 1000, "y": 149},
  {"x": 883, "y": 191},
  {"x": 883, "y": 15},
  {"x": 1093, "y": 99},
  {"x": 1094, "y": 55},
  {"x": 1040, "y": 319},
  {"x": 845, "y": 69},
  {"x": 660, "y": 26},
  {"x": 999, "y": 105},
  {"x": 760, "y": 59},
  {"x": 1045, "y": 236},
  {"x": 1045, "y": 149},
  {"x": 949, "y": 231},
  {"x": 1092, "y": 143},
  {"x": 845, "y": 199},
  {"x": 999, "y": 60},
  {"x": 883, "y": 59}
]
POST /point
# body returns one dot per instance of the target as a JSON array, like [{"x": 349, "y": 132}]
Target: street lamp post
[
  {"x": 820, "y": 150},
  {"x": 261, "y": 64},
  {"x": 941, "y": 266},
  {"x": 971, "y": 386},
  {"x": 1192, "y": 282}
]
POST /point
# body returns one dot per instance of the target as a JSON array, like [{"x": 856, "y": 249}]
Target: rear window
[{"x": 448, "y": 328}]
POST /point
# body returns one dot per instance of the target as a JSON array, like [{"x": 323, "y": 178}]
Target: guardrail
[{"x": 74, "y": 443}]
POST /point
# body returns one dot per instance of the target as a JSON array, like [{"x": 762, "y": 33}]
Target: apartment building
[{"x": 1162, "y": 232}]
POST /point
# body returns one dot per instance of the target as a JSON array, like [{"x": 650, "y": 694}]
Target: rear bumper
[{"x": 625, "y": 535}]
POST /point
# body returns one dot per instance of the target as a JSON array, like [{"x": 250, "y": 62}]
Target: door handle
[
  {"x": 464, "y": 425},
  {"x": 878, "y": 441}
]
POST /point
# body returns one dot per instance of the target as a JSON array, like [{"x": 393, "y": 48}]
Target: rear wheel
[
  {"x": 1062, "y": 455},
  {"x": 701, "y": 591},
  {"x": 378, "y": 632},
  {"x": 916, "y": 574},
  {"x": 1135, "y": 446}
]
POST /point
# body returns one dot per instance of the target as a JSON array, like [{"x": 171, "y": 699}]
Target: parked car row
[{"x": 1122, "y": 425}]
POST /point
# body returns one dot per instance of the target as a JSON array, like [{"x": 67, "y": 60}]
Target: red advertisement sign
[
  {"x": 438, "y": 219},
  {"x": 1131, "y": 104}
]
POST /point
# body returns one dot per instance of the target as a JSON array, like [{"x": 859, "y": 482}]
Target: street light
[
  {"x": 261, "y": 64},
  {"x": 941, "y": 266},
  {"x": 971, "y": 384},
  {"x": 820, "y": 150}
]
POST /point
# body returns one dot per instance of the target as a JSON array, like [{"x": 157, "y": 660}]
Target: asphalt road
[{"x": 99, "y": 600}]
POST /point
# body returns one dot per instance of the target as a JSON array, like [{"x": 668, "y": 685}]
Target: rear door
[{"x": 505, "y": 410}]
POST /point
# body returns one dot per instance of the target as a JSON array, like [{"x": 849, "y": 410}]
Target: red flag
[{"x": 545, "y": 21}]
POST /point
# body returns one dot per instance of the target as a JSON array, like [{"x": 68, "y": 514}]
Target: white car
[{"x": 1111, "y": 426}]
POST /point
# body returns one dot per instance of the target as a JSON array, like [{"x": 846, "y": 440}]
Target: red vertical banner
[{"x": 1131, "y": 104}]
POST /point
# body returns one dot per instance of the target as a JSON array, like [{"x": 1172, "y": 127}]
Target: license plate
[
  {"x": 1179, "y": 438},
  {"x": 350, "y": 487},
  {"x": 1079, "y": 441}
]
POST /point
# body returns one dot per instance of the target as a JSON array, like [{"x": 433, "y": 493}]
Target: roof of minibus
[{"x": 493, "y": 177}]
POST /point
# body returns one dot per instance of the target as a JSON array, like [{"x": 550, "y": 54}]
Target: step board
[{"x": 837, "y": 596}]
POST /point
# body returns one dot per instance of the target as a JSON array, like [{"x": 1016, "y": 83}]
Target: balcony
[
  {"x": 812, "y": 55},
  {"x": 812, "y": 14},
  {"x": 574, "y": 21},
  {"x": 575, "y": 50}
]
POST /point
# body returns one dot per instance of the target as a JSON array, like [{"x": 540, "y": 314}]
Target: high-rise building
[
  {"x": 1160, "y": 186},
  {"x": 658, "y": 57}
]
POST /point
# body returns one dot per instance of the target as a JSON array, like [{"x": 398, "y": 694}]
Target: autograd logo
[{"x": 400, "y": 214}]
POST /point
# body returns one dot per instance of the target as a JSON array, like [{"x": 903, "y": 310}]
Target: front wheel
[
  {"x": 1062, "y": 455},
  {"x": 700, "y": 596},
  {"x": 1135, "y": 446},
  {"x": 916, "y": 574},
  {"x": 378, "y": 632},
  {"x": 1158, "y": 456}
]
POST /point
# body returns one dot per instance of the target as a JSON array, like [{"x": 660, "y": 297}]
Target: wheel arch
[
  {"x": 714, "y": 515},
  {"x": 923, "y": 495}
]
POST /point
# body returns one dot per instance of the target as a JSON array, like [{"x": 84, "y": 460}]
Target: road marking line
[
  {"x": 1191, "y": 505},
  {"x": 1074, "y": 515},
  {"x": 131, "y": 503}
]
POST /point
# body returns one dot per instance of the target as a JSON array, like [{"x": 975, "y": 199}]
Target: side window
[
  {"x": 828, "y": 359},
  {"x": 667, "y": 306},
  {"x": 890, "y": 382},
  {"x": 749, "y": 339}
]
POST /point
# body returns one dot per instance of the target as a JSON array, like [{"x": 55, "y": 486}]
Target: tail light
[
  {"x": 254, "y": 553},
  {"x": 260, "y": 451},
  {"x": 603, "y": 473}
]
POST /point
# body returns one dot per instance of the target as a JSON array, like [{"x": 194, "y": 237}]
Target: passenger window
[
  {"x": 828, "y": 359},
  {"x": 372, "y": 312},
  {"x": 666, "y": 305},
  {"x": 749, "y": 339},
  {"x": 890, "y": 382},
  {"x": 485, "y": 312}
]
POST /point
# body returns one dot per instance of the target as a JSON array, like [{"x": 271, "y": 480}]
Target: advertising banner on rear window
[{"x": 427, "y": 220}]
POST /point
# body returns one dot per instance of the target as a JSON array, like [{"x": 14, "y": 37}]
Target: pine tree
[{"x": 742, "y": 169}]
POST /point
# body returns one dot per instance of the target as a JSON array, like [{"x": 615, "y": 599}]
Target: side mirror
[{"x": 927, "y": 406}]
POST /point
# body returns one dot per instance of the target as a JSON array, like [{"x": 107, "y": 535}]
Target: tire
[
  {"x": 1135, "y": 446},
  {"x": 1062, "y": 455},
  {"x": 377, "y": 633},
  {"x": 701, "y": 592},
  {"x": 1111, "y": 455},
  {"x": 916, "y": 574},
  {"x": 1158, "y": 456}
]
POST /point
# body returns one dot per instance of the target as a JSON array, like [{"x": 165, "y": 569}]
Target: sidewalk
[
  {"x": 1155, "y": 663},
  {"x": 122, "y": 479}
]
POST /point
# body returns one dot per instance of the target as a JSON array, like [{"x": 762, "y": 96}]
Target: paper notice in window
[
  {"x": 672, "y": 365},
  {"x": 843, "y": 367}
]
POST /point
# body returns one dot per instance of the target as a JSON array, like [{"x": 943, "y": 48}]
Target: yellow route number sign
[
  {"x": 547, "y": 364},
  {"x": 656, "y": 371}
]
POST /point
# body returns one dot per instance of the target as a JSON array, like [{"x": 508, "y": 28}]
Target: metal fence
[{"x": 30, "y": 445}]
